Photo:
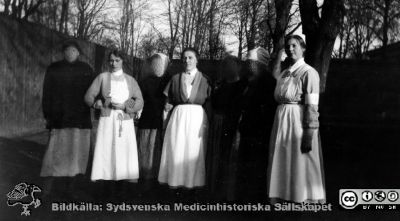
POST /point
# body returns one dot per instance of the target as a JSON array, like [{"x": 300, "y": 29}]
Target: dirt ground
[{"x": 354, "y": 157}]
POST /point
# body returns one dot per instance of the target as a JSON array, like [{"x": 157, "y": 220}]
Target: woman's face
[
  {"x": 294, "y": 50},
  {"x": 189, "y": 60},
  {"x": 115, "y": 63},
  {"x": 158, "y": 67},
  {"x": 71, "y": 54}
]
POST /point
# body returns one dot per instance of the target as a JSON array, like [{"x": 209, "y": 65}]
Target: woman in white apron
[
  {"x": 115, "y": 155},
  {"x": 184, "y": 146}
]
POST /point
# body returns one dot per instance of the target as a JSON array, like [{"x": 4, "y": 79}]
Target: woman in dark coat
[
  {"x": 257, "y": 113},
  {"x": 151, "y": 118},
  {"x": 222, "y": 150},
  {"x": 67, "y": 116}
]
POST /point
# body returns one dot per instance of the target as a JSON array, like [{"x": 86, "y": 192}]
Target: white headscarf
[{"x": 258, "y": 54}]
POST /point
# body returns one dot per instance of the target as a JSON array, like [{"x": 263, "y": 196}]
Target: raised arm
[{"x": 276, "y": 65}]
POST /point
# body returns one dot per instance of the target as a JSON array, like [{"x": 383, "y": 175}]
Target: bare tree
[
  {"x": 130, "y": 24},
  {"x": 174, "y": 11},
  {"x": 47, "y": 14},
  {"x": 388, "y": 12},
  {"x": 87, "y": 18},
  {"x": 63, "y": 24},
  {"x": 22, "y": 9},
  {"x": 363, "y": 28},
  {"x": 282, "y": 19},
  {"x": 321, "y": 26},
  {"x": 195, "y": 23}
]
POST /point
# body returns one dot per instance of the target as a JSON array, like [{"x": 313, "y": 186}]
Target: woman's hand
[
  {"x": 118, "y": 106},
  {"x": 138, "y": 114},
  {"x": 98, "y": 104},
  {"x": 168, "y": 107},
  {"x": 306, "y": 144}
]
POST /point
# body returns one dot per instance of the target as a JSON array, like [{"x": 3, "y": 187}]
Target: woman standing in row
[
  {"x": 295, "y": 171},
  {"x": 257, "y": 106},
  {"x": 183, "y": 154},
  {"x": 223, "y": 146},
  {"x": 150, "y": 133},
  {"x": 115, "y": 154},
  {"x": 67, "y": 118}
]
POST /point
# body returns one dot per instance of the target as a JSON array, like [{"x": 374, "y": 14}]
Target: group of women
[{"x": 251, "y": 136}]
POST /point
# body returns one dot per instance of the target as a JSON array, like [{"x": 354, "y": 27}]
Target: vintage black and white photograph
[{"x": 199, "y": 110}]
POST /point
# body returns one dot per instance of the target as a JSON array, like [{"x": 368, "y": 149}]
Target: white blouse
[
  {"x": 119, "y": 89},
  {"x": 189, "y": 78}
]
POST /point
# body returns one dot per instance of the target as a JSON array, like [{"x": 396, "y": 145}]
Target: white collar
[
  {"x": 192, "y": 72},
  {"x": 296, "y": 65},
  {"x": 117, "y": 73}
]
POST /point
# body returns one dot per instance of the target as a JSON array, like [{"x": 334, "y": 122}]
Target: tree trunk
[
  {"x": 64, "y": 16},
  {"x": 385, "y": 28},
  {"x": 282, "y": 18},
  {"x": 211, "y": 31},
  {"x": 7, "y": 4},
  {"x": 321, "y": 33}
]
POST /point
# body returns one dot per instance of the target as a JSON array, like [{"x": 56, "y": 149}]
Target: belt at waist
[
  {"x": 188, "y": 104},
  {"x": 282, "y": 103}
]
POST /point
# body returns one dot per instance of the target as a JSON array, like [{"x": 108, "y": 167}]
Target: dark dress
[
  {"x": 258, "y": 108},
  {"x": 222, "y": 151},
  {"x": 68, "y": 118},
  {"x": 64, "y": 87},
  {"x": 151, "y": 125}
]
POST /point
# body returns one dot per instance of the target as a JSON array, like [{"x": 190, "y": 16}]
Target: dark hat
[{"x": 71, "y": 43}]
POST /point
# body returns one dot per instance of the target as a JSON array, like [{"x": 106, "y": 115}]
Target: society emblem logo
[
  {"x": 392, "y": 196},
  {"x": 24, "y": 194},
  {"x": 367, "y": 196},
  {"x": 348, "y": 199},
  {"x": 380, "y": 196}
]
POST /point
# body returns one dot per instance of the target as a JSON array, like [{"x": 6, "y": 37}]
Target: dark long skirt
[
  {"x": 222, "y": 156},
  {"x": 150, "y": 144}
]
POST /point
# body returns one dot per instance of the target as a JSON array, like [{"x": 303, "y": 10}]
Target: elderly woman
[
  {"x": 257, "y": 110},
  {"x": 295, "y": 171},
  {"x": 115, "y": 155},
  {"x": 151, "y": 119},
  {"x": 67, "y": 117},
  {"x": 183, "y": 154},
  {"x": 222, "y": 149}
]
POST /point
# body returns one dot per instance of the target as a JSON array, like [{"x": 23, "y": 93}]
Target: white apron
[
  {"x": 183, "y": 153},
  {"x": 115, "y": 156}
]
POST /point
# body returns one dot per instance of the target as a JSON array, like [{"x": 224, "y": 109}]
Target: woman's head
[
  {"x": 295, "y": 47},
  {"x": 116, "y": 59},
  {"x": 190, "y": 58},
  {"x": 158, "y": 64},
  {"x": 71, "y": 51}
]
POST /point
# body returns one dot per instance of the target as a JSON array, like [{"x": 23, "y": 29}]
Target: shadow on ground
[{"x": 353, "y": 158}]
